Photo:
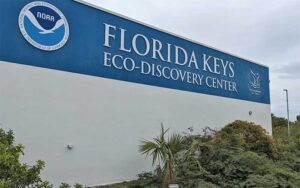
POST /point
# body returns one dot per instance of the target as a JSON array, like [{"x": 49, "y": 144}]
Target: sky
[{"x": 267, "y": 32}]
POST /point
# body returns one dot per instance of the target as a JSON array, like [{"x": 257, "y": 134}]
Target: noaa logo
[
  {"x": 44, "y": 26},
  {"x": 254, "y": 83}
]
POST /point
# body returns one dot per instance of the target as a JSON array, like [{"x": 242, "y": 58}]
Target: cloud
[
  {"x": 288, "y": 71},
  {"x": 279, "y": 29}
]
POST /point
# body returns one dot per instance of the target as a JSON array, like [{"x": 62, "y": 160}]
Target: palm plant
[{"x": 162, "y": 151}]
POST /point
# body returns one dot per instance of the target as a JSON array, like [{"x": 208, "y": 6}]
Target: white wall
[{"x": 104, "y": 119}]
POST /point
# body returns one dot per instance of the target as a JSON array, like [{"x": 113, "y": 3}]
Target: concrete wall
[{"x": 104, "y": 119}]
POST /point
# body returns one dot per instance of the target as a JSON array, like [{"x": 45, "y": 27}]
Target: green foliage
[
  {"x": 77, "y": 185},
  {"x": 298, "y": 118},
  {"x": 241, "y": 154},
  {"x": 278, "y": 121},
  {"x": 146, "y": 180},
  {"x": 14, "y": 174},
  {"x": 64, "y": 185},
  {"x": 292, "y": 143},
  {"x": 249, "y": 137},
  {"x": 162, "y": 151}
]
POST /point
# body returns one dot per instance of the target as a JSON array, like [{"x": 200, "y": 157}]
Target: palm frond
[
  {"x": 152, "y": 148},
  {"x": 147, "y": 146},
  {"x": 163, "y": 150},
  {"x": 175, "y": 143}
]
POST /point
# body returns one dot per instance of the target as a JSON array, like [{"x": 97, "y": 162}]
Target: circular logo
[{"x": 44, "y": 26}]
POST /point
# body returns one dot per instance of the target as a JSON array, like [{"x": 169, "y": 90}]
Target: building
[{"x": 81, "y": 90}]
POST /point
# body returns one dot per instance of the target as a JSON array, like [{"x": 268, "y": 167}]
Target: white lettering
[
  {"x": 205, "y": 63},
  {"x": 216, "y": 66},
  {"x": 45, "y": 16},
  {"x": 114, "y": 62},
  {"x": 193, "y": 60},
  {"x": 134, "y": 44},
  {"x": 143, "y": 63},
  {"x": 107, "y": 59},
  {"x": 129, "y": 64},
  {"x": 231, "y": 67},
  {"x": 157, "y": 49},
  {"x": 177, "y": 50},
  {"x": 122, "y": 47},
  {"x": 107, "y": 34}
]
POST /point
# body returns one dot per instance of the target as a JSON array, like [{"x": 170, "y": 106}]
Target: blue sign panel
[{"x": 69, "y": 36}]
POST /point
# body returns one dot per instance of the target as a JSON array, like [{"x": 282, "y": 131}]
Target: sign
[
  {"x": 108, "y": 45},
  {"x": 43, "y": 26}
]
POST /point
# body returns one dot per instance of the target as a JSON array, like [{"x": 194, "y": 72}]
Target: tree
[
  {"x": 278, "y": 121},
  {"x": 242, "y": 154},
  {"x": 162, "y": 151},
  {"x": 65, "y": 185},
  {"x": 13, "y": 173}
]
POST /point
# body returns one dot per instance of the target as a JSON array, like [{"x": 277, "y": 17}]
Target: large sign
[{"x": 69, "y": 36}]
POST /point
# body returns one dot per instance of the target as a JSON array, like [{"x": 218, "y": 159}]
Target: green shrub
[
  {"x": 241, "y": 154},
  {"x": 12, "y": 172},
  {"x": 250, "y": 137}
]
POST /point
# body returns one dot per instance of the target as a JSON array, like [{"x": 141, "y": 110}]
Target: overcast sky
[{"x": 267, "y": 32}]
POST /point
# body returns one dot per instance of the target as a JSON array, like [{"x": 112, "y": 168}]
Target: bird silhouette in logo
[
  {"x": 34, "y": 21},
  {"x": 255, "y": 80}
]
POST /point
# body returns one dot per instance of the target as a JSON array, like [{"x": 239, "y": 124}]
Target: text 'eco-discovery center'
[{"x": 129, "y": 78}]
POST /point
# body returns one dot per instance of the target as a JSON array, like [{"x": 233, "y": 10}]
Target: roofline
[{"x": 162, "y": 30}]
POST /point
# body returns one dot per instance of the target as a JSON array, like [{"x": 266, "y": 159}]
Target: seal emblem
[
  {"x": 254, "y": 83},
  {"x": 44, "y": 26}
]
